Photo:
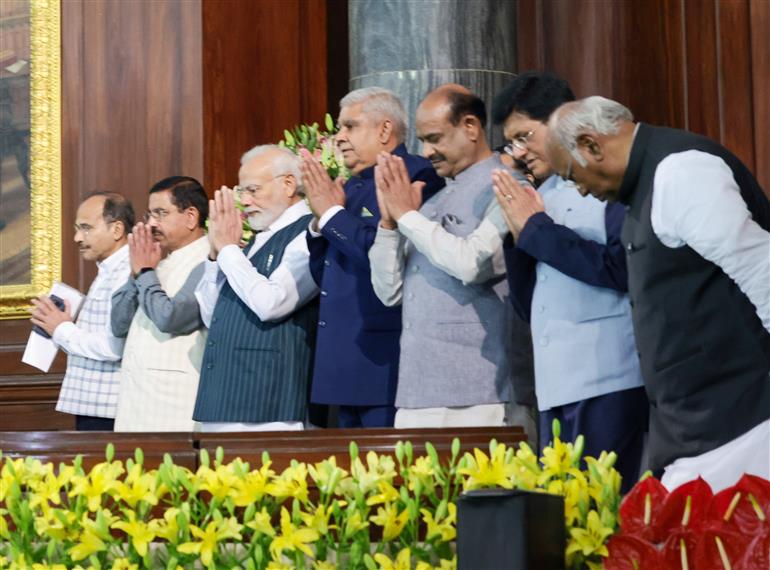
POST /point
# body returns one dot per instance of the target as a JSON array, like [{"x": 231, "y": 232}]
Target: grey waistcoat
[{"x": 456, "y": 339}]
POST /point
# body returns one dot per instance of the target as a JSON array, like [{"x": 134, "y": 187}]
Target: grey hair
[
  {"x": 285, "y": 162},
  {"x": 590, "y": 115},
  {"x": 380, "y": 104}
]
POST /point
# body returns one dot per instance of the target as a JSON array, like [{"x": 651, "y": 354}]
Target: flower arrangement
[
  {"x": 319, "y": 143},
  {"x": 383, "y": 512},
  {"x": 692, "y": 527}
]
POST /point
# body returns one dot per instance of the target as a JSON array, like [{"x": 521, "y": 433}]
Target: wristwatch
[{"x": 142, "y": 271}]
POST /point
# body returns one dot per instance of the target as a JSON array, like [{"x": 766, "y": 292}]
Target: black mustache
[{"x": 436, "y": 157}]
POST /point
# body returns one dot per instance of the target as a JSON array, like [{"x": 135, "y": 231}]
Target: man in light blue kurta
[{"x": 568, "y": 279}]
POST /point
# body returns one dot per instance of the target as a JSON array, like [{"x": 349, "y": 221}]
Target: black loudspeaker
[{"x": 500, "y": 529}]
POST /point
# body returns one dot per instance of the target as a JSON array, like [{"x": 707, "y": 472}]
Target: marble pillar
[{"x": 413, "y": 46}]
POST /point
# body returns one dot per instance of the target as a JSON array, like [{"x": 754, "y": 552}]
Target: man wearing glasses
[
  {"x": 90, "y": 385},
  {"x": 157, "y": 312},
  {"x": 568, "y": 279},
  {"x": 258, "y": 301}
]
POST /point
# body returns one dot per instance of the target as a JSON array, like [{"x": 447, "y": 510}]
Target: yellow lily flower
[
  {"x": 318, "y": 520},
  {"x": 353, "y": 523},
  {"x": 138, "y": 486},
  {"x": 253, "y": 486},
  {"x": 47, "y": 567},
  {"x": 493, "y": 471},
  {"x": 220, "y": 482},
  {"x": 324, "y": 565},
  {"x": 167, "y": 528},
  {"x": 91, "y": 537},
  {"x": 557, "y": 462},
  {"x": 327, "y": 475},
  {"x": 140, "y": 532},
  {"x": 589, "y": 540},
  {"x": 261, "y": 523},
  {"x": 101, "y": 480},
  {"x": 292, "y": 538},
  {"x": 391, "y": 521},
  {"x": 422, "y": 470},
  {"x": 274, "y": 565},
  {"x": 445, "y": 528},
  {"x": 209, "y": 539},
  {"x": 124, "y": 564},
  {"x": 50, "y": 524},
  {"x": 387, "y": 494},
  {"x": 402, "y": 562},
  {"x": 291, "y": 483}
]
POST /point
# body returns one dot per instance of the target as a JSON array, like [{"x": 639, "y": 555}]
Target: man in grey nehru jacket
[{"x": 462, "y": 348}]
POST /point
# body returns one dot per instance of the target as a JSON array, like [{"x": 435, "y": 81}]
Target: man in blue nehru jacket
[
  {"x": 567, "y": 272},
  {"x": 357, "y": 347}
]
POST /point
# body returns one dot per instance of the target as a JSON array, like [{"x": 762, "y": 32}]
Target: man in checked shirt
[{"x": 90, "y": 386}]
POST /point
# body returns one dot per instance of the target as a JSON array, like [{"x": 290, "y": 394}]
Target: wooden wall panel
[
  {"x": 135, "y": 76},
  {"x": 265, "y": 67},
  {"x": 702, "y": 65},
  {"x": 759, "y": 16}
]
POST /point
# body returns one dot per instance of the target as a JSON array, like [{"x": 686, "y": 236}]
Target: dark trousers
[
  {"x": 613, "y": 422},
  {"x": 366, "y": 416},
  {"x": 91, "y": 423}
]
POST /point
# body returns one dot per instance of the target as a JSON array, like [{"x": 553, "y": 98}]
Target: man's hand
[
  {"x": 47, "y": 316},
  {"x": 518, "y": 203},
  {"x": 225, "y": 226},
  {"x": 397, "y": 194},
  {"x": 322, "y": 193},
  {"x": 143, "y": 251},
  {"x": 386, "y": 220}
]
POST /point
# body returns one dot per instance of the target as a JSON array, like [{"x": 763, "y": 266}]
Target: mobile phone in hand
[{"x": 59, "y": 305}]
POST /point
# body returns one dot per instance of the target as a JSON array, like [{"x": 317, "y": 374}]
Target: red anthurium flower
[
  {"x": 640, "y": 509},
  {"x": 757, "y": 553},
  {"x": 631, "y": 553},
  {"x": 720, "y": 550},
  {"x": 679, "y": 550},
  {"x": 744, "y": 507},
  {"x": 686, "y": 506}
]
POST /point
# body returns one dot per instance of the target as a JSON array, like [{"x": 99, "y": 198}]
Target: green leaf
[{"x": 329, "y": 122}]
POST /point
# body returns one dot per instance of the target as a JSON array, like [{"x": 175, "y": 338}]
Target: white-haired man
[
  {"x": 356, "y": 364},
  {"x": 698, "y": 253},
  {"x": 258, "y": 301}
]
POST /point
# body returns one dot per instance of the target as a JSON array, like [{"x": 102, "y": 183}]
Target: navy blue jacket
[
  {"x": 541, "y": 239},
  {"x": 357, "y": 347}
]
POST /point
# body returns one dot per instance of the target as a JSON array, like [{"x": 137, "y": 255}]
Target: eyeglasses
[
  {"x": 520, "y": 142},
  {"x": 155, "y": 213},
  {"x": 252, "y": 189}
]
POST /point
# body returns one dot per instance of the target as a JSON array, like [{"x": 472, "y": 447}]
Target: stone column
[{"x": 413, "y": 46}]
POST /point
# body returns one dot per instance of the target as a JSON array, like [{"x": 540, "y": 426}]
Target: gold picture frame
[{"x": 45, "y": 161}]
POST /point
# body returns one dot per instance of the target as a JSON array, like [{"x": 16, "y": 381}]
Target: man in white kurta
[{"x": 158, "y": 312}]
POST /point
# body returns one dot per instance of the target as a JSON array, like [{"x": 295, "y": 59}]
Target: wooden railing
[{"x": 309, "y": 446}]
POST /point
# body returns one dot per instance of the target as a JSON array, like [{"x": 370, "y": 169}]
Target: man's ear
[
  {"x": 386, "y": 131},
  {"x": 192, "y": 215},
  {"x": 590, "y": 145},
  {"x": 290, "y": 185},
  {"x": 472, "y": 127},
  {"x": 119, "y": 230}
]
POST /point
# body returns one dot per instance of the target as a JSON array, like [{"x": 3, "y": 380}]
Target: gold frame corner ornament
[{"x": 45, "y": 161}]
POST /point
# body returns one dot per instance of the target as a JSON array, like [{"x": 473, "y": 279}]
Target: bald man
[{"x": 443, "y": 263}]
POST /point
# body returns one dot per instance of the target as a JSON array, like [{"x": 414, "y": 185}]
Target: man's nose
[
  {"x": 519, "y": 153},
  {"x": 426, "y": 150}
]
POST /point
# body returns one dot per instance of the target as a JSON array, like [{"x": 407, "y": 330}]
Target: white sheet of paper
[{"x": 40, "y": 352}]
